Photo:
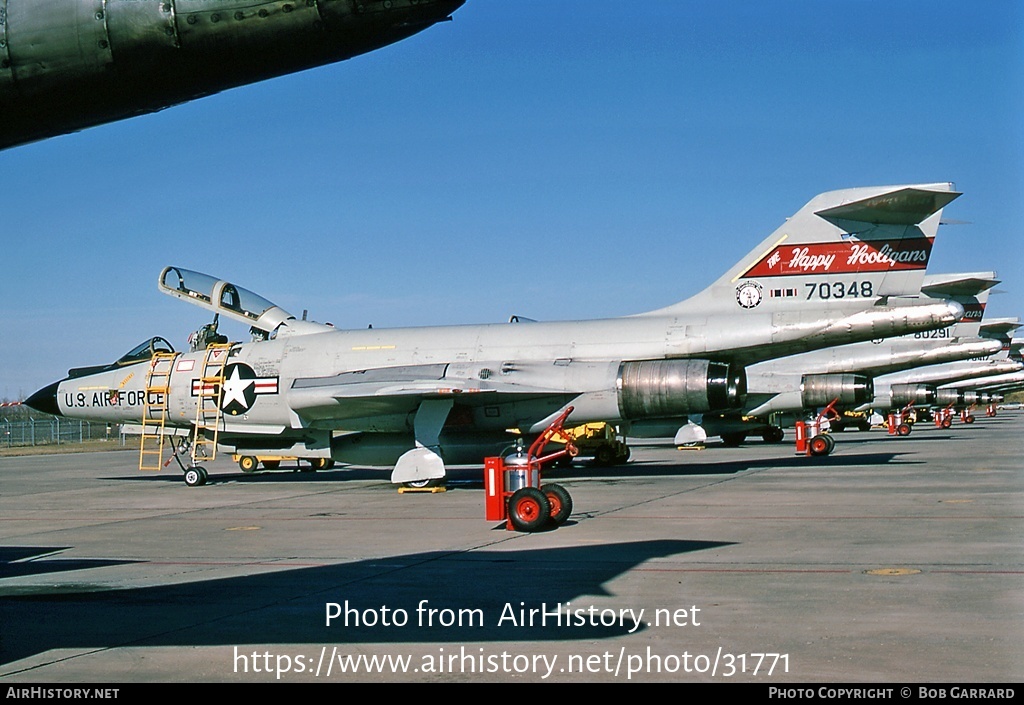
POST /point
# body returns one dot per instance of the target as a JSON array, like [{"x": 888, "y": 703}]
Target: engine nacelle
[
  {"x": 821, "y": 390},
  {"x": 650, "y": 389},
  {"x": 916, "y": 394}
]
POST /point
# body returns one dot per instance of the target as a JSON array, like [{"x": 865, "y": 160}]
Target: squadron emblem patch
[{"x": 748, "y": 294}]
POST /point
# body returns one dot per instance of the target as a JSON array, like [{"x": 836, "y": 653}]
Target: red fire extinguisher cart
[{"x": 513, "y": 490}]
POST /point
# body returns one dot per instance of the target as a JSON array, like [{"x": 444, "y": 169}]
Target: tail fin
[
  {"x": 1016, "y": 351},
  {"x": 971, "y": 289},
  {"x": 841, "y": 248},
  {"x": 1002, "y": 329}
]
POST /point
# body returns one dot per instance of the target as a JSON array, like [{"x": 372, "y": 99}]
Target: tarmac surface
[{"x": 893, "y": 560}]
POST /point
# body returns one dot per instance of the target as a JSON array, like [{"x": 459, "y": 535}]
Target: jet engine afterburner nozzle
[{"x": 667, "y": 388}]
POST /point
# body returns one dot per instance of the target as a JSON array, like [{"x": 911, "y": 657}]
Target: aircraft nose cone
[{"x": 45, "y": 400}]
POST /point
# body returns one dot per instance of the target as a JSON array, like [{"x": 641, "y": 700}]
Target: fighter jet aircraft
[
  {"x": 70, "y": 64},
  {"x": 950, "y": 385},
  {"x": 844, "y": 375},
  {"x": 999, "y": 382},
  {"x": 418, "y": 398}
]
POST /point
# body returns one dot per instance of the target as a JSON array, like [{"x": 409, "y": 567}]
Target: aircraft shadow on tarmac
[
  {"x": 706, "y": 465},
  {"x": 289, "y": 606},
  {"x": 696, "y": 463},
  {"x": 16, "y": 561}
]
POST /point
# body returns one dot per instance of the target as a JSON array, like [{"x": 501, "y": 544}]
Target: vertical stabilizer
[{"x": 845, "y": 250}]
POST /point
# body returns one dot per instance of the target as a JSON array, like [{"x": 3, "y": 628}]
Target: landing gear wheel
[
  {"x": 424, "y": 484},
  {"x": 319, "y": 464},
  {"x": 195, "y": 477},
  {"x": 820, "y": 445},
  {"x": 773, "y": 434},
  {"x": 903, "y": 429},
  {"x": 560, "y": 501},
  {"x": 623, "y": 455},
  {"x": 529, "y": 509},
  {"x": 248, "y": 463},
  {"x": 863, "y": 425},
  {"x": 271, "y": 464}
]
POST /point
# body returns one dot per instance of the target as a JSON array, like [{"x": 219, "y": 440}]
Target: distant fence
[{"x": 53, "y": 431}]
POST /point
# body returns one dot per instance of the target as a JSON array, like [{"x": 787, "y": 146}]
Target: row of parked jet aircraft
[{"x": 832, "y": 310}]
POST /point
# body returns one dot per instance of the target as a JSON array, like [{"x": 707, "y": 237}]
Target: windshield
[{"x": 145, "y": 351}]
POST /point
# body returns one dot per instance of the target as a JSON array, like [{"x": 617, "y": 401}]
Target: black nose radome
[{"x": 45, "y": 400}]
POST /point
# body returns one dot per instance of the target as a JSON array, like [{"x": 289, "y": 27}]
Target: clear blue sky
[{"x": 554, "y": 159}]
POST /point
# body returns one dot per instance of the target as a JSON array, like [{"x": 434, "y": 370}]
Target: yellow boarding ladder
[
  {"x": 154, "y": 411},
  {"x": 211, "y": 382}
]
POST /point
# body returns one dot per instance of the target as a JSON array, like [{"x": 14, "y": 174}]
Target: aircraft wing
[{"x": 400, "y": 390}]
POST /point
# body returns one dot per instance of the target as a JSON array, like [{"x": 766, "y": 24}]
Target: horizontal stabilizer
[
  {"x": 939, "y": 286},
  {"x": 904, "y": 206},
  {"x": 1000, "y": 327}
]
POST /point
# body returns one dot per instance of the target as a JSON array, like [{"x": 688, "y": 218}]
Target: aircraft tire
[
  {"x": 819, "y": 445},
  {"x": 560, "y": 501},
  {"x": 271, "y": 464},
  {"x": 903, "y": 429},
  {"x": 195, "y": 477},
  {"x": 248, "y": 463},
  {"x": 423, "y": 484},
  {"x": 623, "y": 455},
  {"x": 529, "y": 510},
  {"x": 773, "y": 434}
]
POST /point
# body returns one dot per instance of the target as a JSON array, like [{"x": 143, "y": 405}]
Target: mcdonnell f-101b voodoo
[
  {"x": 70, "y": 64},
  {"x": 417, "y": 398},
  {"x": 794, "y": 385}
]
